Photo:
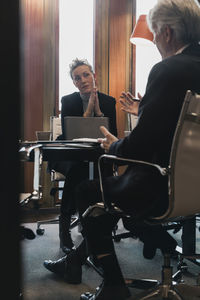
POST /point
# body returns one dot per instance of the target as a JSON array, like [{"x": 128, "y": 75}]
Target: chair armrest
[
  {"x": 125, "y": 161},
  {"x": 99, "y": 209},
  {"x": 57, "y": 176},
  {"x": 26, "y": 151}
]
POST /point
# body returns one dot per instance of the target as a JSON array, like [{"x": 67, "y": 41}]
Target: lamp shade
[{"x": 141, "y": 31}]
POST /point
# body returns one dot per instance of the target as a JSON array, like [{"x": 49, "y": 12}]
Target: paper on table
[
  {"x": 86, "y": 140},
  {"x": 55, "y": 127},
  {"x": 78, "y": 145}
]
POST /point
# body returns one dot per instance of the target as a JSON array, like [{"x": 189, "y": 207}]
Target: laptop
[{"x": 81, "y": 127}]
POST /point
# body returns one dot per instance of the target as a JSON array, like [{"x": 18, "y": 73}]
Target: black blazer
[
  {"x": 72, "y": 106},
  {"x": 151, "y": 139}
]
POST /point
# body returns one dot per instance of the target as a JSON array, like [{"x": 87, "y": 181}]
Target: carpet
[{"x": 39, "y": 283}]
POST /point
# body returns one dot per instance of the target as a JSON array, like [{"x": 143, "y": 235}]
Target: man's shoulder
[
  {"x": 168, "y": 65},
  {"x": 176, "y": 64}
]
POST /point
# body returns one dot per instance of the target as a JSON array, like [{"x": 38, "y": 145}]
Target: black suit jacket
[
  {"x": 151, "y": 139},
  {"x": 72, "y": 106}
]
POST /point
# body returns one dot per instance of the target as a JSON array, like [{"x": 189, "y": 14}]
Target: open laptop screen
[{"x": 81, "y": 127}]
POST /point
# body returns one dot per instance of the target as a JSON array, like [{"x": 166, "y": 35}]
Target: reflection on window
[
  {"x": 146, "y": 55},
  {"x": 75, "y": 38}
]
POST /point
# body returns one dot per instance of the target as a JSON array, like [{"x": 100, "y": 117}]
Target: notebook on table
[{"x": 80, "y": 127}]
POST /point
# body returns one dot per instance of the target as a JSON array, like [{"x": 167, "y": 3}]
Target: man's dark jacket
[{"x": 139, "y": 188}]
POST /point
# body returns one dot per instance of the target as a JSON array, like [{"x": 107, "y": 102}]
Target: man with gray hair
[{"x": 140, "y": 191}]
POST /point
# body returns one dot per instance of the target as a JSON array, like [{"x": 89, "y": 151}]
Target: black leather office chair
[{"x": 184, "y": 190}]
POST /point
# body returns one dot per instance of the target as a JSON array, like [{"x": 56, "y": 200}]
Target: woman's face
[{"x": 83, "y": 79}]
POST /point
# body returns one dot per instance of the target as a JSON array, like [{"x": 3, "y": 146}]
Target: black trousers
[
  {"x": 75, "y": 172},
  {"x": 97, "y": 229}
]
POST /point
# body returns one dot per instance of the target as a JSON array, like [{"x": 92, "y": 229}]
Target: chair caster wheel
[
  {"x": 40, "y": 231},
  {"x": 86, "y": 296},
  {"x": 182, "y": 267}
]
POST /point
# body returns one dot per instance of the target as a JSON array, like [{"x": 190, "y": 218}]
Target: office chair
[
  {"x": 56, "y": 178},
  {"x": 184, "y": 190}
]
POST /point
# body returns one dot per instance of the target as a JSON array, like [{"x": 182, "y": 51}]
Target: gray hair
[
  {"x": 183, "y": 16},
  {"x": 79, "y": 62}
]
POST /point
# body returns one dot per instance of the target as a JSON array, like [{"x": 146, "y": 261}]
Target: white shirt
[{"x": 181, "y": 49}]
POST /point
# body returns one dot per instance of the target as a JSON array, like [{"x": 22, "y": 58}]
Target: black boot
[
  {"x": 69, "y": 267},
  {"x": 157, "y": 237},
  {"x": 153, "y": 236},
  {"x": 66, "y": 243}
]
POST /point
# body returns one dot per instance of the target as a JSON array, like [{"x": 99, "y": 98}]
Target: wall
[
  {"x": 114, "y": 66},
  {"x": 39, "y": 74},
  {"x": 114, "y": 54}
]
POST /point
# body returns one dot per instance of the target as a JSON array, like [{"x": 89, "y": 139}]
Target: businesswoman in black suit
[{"x": 88, "y": 102}]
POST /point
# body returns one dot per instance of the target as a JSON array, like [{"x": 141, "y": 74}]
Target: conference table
[{"x": 40, "y": 151}]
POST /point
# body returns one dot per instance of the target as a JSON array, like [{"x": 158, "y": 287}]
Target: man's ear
[
  {"x": 168, "y": 33},
  {"x": 74, "y": 83}
]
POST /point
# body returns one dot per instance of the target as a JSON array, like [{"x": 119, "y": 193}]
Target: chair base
[
  {"x": 170, "y": 292},
  {"x": 142, "y": 284},
  {"x": 91, "y": 264},
  {"x": 171, "y": 287},
  {"x": 40, "y": 231},
  {"x": 132, "y": 283}
]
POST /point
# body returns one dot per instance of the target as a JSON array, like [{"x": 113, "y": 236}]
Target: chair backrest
[
  {"x": 55, "y": 127},
  {"x": 57, "y": 176},
  {"x": 184, "y": 168}
]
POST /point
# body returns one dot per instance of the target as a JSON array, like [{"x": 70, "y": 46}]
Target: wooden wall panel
[
  {"x": 39, "y": 71},
  {"x": 33, "y": 48},
  {"x": 32, "y": 75},
  {"x": 113, "y": 51},
  {"x": 117, "y": 56},
  {"x": 50, "y": 69},
  {"x": 101, "y": 44}
]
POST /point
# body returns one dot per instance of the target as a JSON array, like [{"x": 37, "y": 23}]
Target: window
[
  {"x": 75, "y": 38},
  {"x": 146, "y": 55}
]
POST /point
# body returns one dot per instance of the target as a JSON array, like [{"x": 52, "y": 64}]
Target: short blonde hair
[{"x": 78, "y": 62}]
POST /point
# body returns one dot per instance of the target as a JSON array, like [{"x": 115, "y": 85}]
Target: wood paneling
[
  {"x": 39, "y": 65},
  {"x": 114, "y": 52},
  {"x": 33, "y": 49},
  {"x": 39, "y": 46},
  {"x": 119, "y": 54},
  {"x": 101, "y": 44},
  {"x": 50, "y": 68}
]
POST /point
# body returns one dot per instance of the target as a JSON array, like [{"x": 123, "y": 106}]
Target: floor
[{"x": 38, "y": 283}]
